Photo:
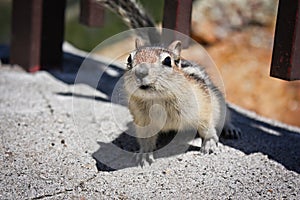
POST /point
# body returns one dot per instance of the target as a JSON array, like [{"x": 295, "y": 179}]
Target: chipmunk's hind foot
[{"x": 231, "y": 132}]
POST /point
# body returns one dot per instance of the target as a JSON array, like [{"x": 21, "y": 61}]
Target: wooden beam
[
  {"x": 177, "y": 16},
  {"x": 91, "y": 13},
  {"x": 53, "y": 20},
  {"x": 286, "y": 51},
  {"x": 26, "y": 34}
]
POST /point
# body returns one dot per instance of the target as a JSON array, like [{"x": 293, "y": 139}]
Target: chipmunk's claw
[
  {"x": 208, "y": 146},
  {"x": 142, "y": 159},
  {"x": 231, "y": 132}
]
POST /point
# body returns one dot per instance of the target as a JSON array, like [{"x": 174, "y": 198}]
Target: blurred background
[{"x": 238, "y": 35}]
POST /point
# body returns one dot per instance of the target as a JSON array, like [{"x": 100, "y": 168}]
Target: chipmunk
[{"x": 166, "y": 92}]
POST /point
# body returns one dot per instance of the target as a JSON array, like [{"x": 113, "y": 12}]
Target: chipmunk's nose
[{"x": 141, "y": 71}]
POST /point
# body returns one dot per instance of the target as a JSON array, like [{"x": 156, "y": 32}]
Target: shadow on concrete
[
  {"x": 89, "y": 71},
  {"x": 72, "y": 94},
  {"x": 280, "y": 144},
  {"x": 123, "y": 150}
]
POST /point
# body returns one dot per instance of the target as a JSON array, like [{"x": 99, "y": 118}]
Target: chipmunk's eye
[
  {"x": 129, "y": 62},
  {"x": 167, "y": 61}
]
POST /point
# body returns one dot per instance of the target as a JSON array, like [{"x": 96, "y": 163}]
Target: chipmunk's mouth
[{"x": 145, "y": 87}]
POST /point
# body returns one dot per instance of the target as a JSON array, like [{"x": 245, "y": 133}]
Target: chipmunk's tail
[
  {"x": 131, "y": 12},
  {"x": 135, "y": 16}
]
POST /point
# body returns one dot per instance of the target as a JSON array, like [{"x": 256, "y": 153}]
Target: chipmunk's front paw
[
  {"x": 231, "y": 132},
  {"x": 209, "y": 146},
  {"x": 143, "y": 159}
]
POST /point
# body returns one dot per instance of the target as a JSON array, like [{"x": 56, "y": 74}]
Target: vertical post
[
  {"x": 286, "y": 51},
  {"x": 177, "y": 16},
  {"x": 26, "y": 34},
  {"x": 52, "y": 33},
  {"x": 91, "y": 13}
]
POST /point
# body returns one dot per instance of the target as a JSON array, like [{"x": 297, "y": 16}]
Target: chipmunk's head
[{"x": 151, "y": 70}]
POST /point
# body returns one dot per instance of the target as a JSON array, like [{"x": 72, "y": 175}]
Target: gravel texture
[{"x": 60, "y": 141}]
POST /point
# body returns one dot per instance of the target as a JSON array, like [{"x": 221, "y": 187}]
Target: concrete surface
[{"x": 59, "y": 141}]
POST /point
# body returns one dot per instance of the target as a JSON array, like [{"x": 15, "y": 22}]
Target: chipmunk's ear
[
  {"x": 175, "y": 47},
  {"x": 138, "y": 43}
]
